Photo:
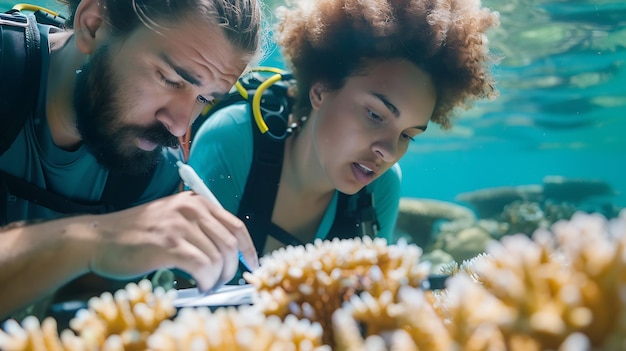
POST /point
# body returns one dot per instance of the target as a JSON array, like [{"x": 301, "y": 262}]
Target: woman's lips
[{"x": 363, "y": 174}]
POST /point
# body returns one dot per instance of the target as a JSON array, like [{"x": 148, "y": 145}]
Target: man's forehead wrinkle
[
  {"x": 213, "y": 64},
  {"x": 213, "y": 67},
  {"x": 223, "y": 80}
]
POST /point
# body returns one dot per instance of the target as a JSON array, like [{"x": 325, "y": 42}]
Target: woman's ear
[
  {"x": 88, "y": 25},
  {"x": 316, "y": 95}
]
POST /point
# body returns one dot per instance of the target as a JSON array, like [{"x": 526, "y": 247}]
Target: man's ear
[
  {"x": 316, "y": 95},
  {"x": 88, "y": 25}
]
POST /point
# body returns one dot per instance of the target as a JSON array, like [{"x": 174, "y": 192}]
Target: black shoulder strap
[
  {"x": 20, "y": 65},
  {"x": 22, "y": 189},
  {"x": 259, "y": 196},
  {"x": 355, "y": 216},
  {"x": 120, "y": 192}
]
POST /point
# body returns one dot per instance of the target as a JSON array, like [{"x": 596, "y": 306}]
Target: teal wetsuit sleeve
[
  {"x": 386, "y": 191},
  {"x": 221, "y": 153}
]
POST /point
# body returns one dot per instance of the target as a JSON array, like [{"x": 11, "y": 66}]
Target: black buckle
[{"x": 13, "y": 19}]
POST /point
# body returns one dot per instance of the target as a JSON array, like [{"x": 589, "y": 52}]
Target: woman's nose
[{"x": 386, "y": 150}]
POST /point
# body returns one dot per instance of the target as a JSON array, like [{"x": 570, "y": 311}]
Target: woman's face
[{"x": 364, "y": 128}]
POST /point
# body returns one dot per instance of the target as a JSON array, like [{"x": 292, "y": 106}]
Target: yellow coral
[
  {"x": 112, "y": 322},
  {"x": 313, "y": 281},
  {"x": 407, "y": 324},
  {"x": 563, "y": 282},
  {"x": 244, "y": 329},
  {"x": 131, "y": 313},
  {"x": 562, "y": 289}
]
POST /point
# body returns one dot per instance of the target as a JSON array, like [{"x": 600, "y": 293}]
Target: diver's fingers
[
  {"x": 244, "y": 241},
  {"x": 224, "y": 241},
  {"x": 205, "y": 269}
]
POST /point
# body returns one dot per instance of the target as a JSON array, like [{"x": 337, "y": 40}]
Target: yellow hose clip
[
  {"x": 33, "y": 8},
  {"x": 256, "y": 101}
]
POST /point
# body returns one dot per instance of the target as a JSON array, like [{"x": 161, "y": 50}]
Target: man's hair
[
  {"x": 330, "y": 40},
  {"x": 240, "y": 20}
]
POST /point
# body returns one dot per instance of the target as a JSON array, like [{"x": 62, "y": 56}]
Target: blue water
[{"x": 561, "y": 109}]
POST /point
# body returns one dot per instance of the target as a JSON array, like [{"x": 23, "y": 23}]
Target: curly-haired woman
[{"x": 370, "y": 76}]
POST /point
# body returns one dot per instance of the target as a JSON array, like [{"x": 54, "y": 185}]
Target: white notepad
[{"x": 227, "y": 295}]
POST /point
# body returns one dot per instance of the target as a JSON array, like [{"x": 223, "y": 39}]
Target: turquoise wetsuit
[
  {"x": 222, "y": 152},
  {"x": 73, "y": 174}
]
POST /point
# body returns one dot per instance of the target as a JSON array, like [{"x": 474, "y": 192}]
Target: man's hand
[{"x": 183, "y": 231}]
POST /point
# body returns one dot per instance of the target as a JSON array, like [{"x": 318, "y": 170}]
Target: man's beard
[{"x": 99, "y": 119}]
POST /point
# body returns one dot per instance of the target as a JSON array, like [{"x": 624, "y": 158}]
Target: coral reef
[
  {"x": 136, "y": 318},
  {"x": 313, "y": 281},
  {"x": 408, "y": 322},
  {"x": 562, "y": 189},
  {"x": 561, "y": 289},
  {"x": 120, "y": 321},
  {"x": 524, "y": 217},
  {"x": 561, "y": 285},
  {"x": 488, "y": 203},
  {"x": 463, "y": 244},
  {"x": 245, "y": 328},
  {"x": 416, "y": 218},
  {"x": 500, "y": 211}
]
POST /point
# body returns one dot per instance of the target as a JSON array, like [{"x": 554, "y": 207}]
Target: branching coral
[
  {"x": 562, "y": 285},
  {"x": 122, "y": 321},
  {"x": 135, "y": 318},
  {"x": 313, "y": 281},
  {"x": 244, "y": 329},
  {"x": 562, "y": 289},
  {"x": 406, "y": 323}
]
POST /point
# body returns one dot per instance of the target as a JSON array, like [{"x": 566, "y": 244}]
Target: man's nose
[{"x": 178, "y": 115}]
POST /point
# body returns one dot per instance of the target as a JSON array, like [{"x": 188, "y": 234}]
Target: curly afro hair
[{"x": 330, "y": 40}]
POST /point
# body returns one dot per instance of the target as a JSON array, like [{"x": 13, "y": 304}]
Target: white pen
[{"x": 196, "y": 184}]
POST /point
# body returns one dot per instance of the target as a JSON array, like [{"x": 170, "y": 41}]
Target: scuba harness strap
[
  {"x": 18, "y": 187},
  {"x": 119, "y": 193},
  {"x": 355, "y": 216},
  {"x": 20, "y": 69},
  {"x": 20, "y": 65},
  {"x": 259, "y": 197}
]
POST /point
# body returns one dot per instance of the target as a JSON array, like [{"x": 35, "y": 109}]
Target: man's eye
[{"x": 169, "y": 82}]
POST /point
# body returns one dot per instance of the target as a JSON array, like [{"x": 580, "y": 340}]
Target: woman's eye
[
  {"x": 405, "y": 136},
  {"x": 373, "y": 115}
]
